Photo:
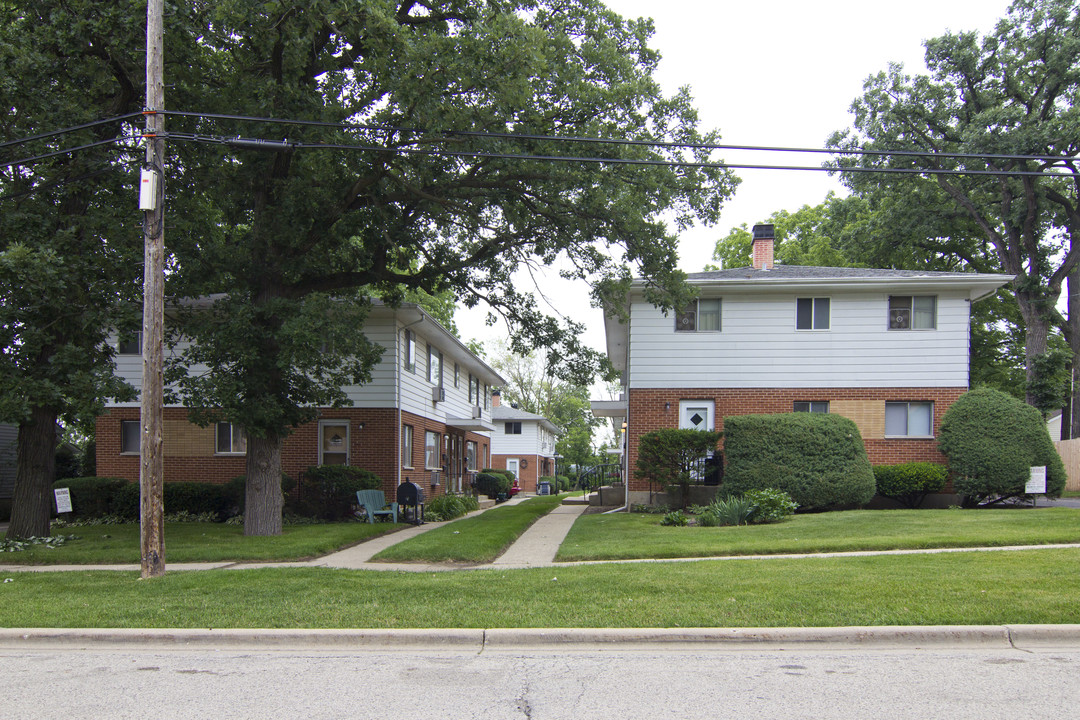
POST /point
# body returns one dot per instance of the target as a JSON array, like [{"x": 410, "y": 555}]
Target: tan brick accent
[
  {"x": 182, "y": 439},
  {"x": 868, "y": 416}
]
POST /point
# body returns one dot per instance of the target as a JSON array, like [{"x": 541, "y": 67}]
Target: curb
[{"x": 945, "y": 637}]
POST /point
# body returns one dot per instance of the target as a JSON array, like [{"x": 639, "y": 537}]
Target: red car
[{"x": 514, "y": 489}]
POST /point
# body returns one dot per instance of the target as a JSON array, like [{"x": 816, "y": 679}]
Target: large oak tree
[{"x": 442, "y": 181}]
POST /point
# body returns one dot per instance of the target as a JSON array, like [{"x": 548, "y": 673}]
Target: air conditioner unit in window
[
  {"x": 476, "y": 412},
  {"x": 438, "y": 394}
]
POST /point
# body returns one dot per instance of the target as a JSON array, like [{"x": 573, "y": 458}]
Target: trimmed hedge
[
  {"x": 96, "y": 497},
  {"x": 493, "y": 483},
  {"x": 992, "y": 440},
  {"x": 818, "y": 459},
  {"x": 910, "y": 483},
  {"x": 328, "y": 492},
  {"x": 448, "y": 507}
]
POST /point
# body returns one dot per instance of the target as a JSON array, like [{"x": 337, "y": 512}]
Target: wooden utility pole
[{"x": 152, "y": 197}]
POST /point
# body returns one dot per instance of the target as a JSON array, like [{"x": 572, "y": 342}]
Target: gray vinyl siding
[
  {"x": 527, "y": 443},
  {"x": 758, "y": 346}
]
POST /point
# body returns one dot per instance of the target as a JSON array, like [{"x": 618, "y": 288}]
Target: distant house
[
  {"x": 886, "y": 348},
  {"x": 523, "y": 443},
  {"x": 425, "y": 416}
]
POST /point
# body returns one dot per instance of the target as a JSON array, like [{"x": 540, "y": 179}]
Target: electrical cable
[
  {"x": 64, "y": 131},
  {"x": 67, "y": 151}
]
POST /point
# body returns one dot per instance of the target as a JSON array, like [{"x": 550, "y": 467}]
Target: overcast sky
[{"x": 779, "y": 73}]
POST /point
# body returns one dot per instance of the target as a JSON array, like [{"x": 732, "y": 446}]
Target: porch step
[{"x": 486, "y": 503}]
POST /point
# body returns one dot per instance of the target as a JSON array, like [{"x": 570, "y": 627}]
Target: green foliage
[
  {"x": 448, "y": 507},
  {"x": 649, "y": 509},
  {"x": 770, "y": 505},
  {"x": 1048, "y": 381},
  {"x": 675, "y": 518},
  {"x": 992, "y": 440},
  {"x": 93, "y": 496},
  {"x": 493, "y": 483},
  {"x": 328, "y": 492},
  {"x": 669, "y": 456},
  {"x": 910, "y": 483},
  {"x": 732, "y": 510},
  {"x": 818, "y": 459}
]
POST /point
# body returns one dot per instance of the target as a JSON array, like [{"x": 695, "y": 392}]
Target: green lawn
[
  {"x": 197, "y": 542},
  {"x": 966, "y": 588},
  {"x": 625, "y": 536},
  {"x": 475, "y": 540}
]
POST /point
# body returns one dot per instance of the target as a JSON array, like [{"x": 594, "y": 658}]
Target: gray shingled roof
[
  {"x": 804, "y": 272},
  {"x": 502, "y": 413}
]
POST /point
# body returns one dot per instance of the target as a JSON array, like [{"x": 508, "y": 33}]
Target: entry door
[
  {"x": 513, "y": 466},
  {"x": 333, "y": 442}
]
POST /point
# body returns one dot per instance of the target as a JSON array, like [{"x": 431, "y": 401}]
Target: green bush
[
  {"x": 675, "y": 518},
  {"x": 95, "y": 496},
  {"x": 731, "y": 510},
  {"x": 448, "y": 507},
  {"x": 669, "y": 456},
  {"x": 493, "y": 483},
  {"x": 770, "y": 505},
  {"x": 992, "y": 440},
  {"x": 201, "y": 499},
  {"x": 818, "y": 459},
  {"x": 328, "y": 492},
  {"x": 910, "y": 483}
]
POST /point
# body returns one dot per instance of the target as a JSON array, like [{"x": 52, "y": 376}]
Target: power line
[
  {"x": 283, "y": 145},
  {"x": 67, "y": 151},
  {"x": 612, "y": 141},
  {"x": 64, "y": 131}
]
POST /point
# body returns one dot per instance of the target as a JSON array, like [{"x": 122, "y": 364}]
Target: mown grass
[
  {"x": 197, "y": 542},
  {"x": 962, "y": 588},
  {"x": 474, "y": 540},
  {"x": 626, "y": 536}
]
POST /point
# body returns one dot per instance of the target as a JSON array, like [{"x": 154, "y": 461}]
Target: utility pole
[{"x": 151, "y": 200}]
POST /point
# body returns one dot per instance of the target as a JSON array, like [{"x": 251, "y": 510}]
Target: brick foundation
[{"x": 654, "y": 409}]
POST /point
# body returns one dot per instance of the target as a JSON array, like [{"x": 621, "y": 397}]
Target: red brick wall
[
  {"x": 374, "y": 448},
  {"x": 647, "y": 412},
  {"x": 538, "y": 467}
]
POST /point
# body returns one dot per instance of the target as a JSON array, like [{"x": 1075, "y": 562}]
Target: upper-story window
[
  {"x": 434, "y": 372},
  {"x": 513, "y": 428},
  {"x": 130, "y": 345},
  {"x": 812, "y": 313},
  {"x": 410, "y": 351},
  {"x": 457, "y": 375},
  {"x": 699, "y": 316},
  {"x": 912, "y": 312}
]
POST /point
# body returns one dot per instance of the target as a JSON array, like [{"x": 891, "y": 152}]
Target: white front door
[{"x": 513, "y": 466}]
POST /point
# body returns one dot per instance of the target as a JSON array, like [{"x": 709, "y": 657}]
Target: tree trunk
[
  {"x": 1036, "y": 331},
  {"x": 262, "y": 493},
  {"x": 32, "y": 504}
]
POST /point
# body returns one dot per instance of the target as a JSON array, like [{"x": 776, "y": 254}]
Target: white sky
[{"x": 770, "y": 73}]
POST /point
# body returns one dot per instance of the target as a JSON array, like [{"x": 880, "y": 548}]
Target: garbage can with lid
[{"x": 543, "y": 488}]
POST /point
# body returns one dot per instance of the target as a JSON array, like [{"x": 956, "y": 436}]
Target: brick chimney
[
  {"x": 763, "y": 247},
  {"x": 496, "y": 398}
]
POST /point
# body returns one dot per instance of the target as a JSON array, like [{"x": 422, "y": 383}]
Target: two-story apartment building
[
  {"x": 523, "y": 443},
  {"x": 425, "y": 415},
  {"x": 887, "y": 348}
]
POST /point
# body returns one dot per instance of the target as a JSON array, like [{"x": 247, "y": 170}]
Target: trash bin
[{"x": 543, "y": 488}]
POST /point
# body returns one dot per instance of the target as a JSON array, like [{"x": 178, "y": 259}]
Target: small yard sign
[
  {"x": 63, "y": 500},
  {"x": 1036, "y": 484}
]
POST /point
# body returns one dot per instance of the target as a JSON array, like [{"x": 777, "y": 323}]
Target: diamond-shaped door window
[{"x": 697, "y": 419}]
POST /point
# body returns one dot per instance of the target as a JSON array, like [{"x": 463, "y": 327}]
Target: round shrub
[
  {"x": 818, "y": 459},
  {"x": 494, "y": 483},
  {"x": 910, "y": 483},
  {"x": 992, "y": 440}
]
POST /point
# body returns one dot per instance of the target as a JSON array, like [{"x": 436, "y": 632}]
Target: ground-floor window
[
  {"x": 407, "y": 445},
  {"x": 230, "y": 439},
  {"x": 129, "y": 436},
  {"x": 470, "y": 455},
  {"x": 432, "y": 444},
  {"x": 909, "y": 419},
  {"x": 812, "y": 406},
  {"x": 333, "y": 442}
]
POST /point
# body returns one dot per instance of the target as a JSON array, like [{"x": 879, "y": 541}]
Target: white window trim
[
  {"x": 410, "y": 351},
  {"x": 910, "y": 403},
  {"x": 348, "y": 441},
  {"x": 710, "y": 409},
  {"x": 229, "y": 453},
  {"x": 697, "y": 317},
  {"x": 408, "y": 459},
  {"x": 813, "y": 314},
  {"x": 438, "y": 449},
  {"x": 911, "y": 318}
]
